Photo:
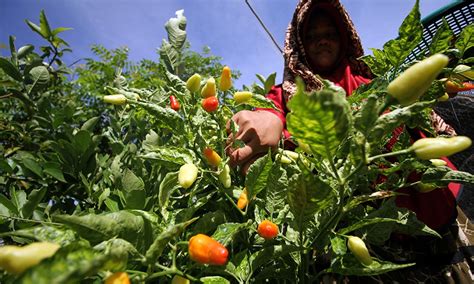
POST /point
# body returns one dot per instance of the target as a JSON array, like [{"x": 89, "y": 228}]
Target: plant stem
[{"x": 391, "y": 154}]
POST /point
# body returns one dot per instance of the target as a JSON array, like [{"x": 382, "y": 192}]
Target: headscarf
[{"x": 349, "y": 73}]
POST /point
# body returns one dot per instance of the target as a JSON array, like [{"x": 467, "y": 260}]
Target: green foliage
[{"x": 102, "y": 180}]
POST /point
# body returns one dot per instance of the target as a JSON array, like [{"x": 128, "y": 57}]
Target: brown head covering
[{"x": 294, "y": 54}]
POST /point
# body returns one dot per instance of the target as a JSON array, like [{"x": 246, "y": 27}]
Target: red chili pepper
[
  {"x": 267, "y": 230},
  {"x": 210, "y": 104},
  {"x": 452, "y": 87},
  {"x": 174, "y": 104},
  {"x": 205, "y": 250}
]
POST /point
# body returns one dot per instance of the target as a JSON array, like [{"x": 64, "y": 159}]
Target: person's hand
[{"x": 259, "y": 130}]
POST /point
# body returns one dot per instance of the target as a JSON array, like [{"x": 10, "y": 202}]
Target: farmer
[{"x": 321, "y": 40}]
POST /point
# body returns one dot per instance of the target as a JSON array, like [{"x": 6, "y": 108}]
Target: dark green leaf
[
  {"x": 257, "y": 176},
  {"x": 349, "y": 265},
  {"x": 446, "y": 175},
  {"x": 409, "y": 35},
  {"x": 98, "y": 228},
  {"x": 208, "y": 222},
  {"x": 54, "y": 170},
  {"x": 167, "y": 187},
  {"x": 34, "y": 198},
  {"x": 167, "y": 117},
  {"x": 82, "y": 141},
  {"x": 465, "y": 40},
  {"x": 8, "y": 204},
  {"x": 131, "y": 182},
  {"x": 162, "y": 239},
  {"x": 46, "y": 233},
  {"x": 387, "y": 122},
  {"x": 90, "y": 124},
  {"x": 226, "y": 232},
  {"x": 10, "y": 69},
  {"x": 14, "y": 57},
  {"x": 307, "y": 195},
  {"x": 270, "y": 253},
  {"x": 442, "y": 39},
  {"x": 33, "y": 166}
]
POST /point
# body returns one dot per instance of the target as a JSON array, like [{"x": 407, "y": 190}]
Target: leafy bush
[{"x": 102, "y": 180}]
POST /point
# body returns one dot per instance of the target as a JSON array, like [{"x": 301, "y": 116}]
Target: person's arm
[{"x": 259, "y": 130}]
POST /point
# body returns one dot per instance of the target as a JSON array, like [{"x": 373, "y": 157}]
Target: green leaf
[
  {"x": 387, "y": 122},
  {"x": 270, "y": 253},
  {"x": 169, "y": 156},
  {"x": 176, "y": 29},
  {"x": 59, "y": 30},
  {"x": 44, "y": 25},
  {"x": 54, "y": 170},
  {"x": 82, "y": 141},
  {"x": 167, "y": 117},
  {"x": 445, "y": 175},
  {"x": 366, "y": 198},
  {"x": 465, "y": 40},
  {"x": 34, "y": 27},
  {"x": 259, "y": 101},
  {"x": 214, "y": 280},
  {"x": 378, "y": 62},
  {"x": 338, "y": 245},
  {"x": 34, "y": 198},
  {"x": 407, "y": 224},
  {"x": 33, "y": 166},
  {"x": 25, "y": 50},
  {"x": 46, "y": 233},
  {"x": 307, "y": 195},
  {"x": 169, "y": 56},
  {"x": 10, "y": 69},
  {"x": 409, "y": 35},
  {"x": 98, "y": 228},
  {"x": 366, "y": 117},
  {"x": 349, "y": 265},
  {"x": 270, "y": 82},
  {"x": 70, "y": 264},
  {"x": 14, "y": 57},
  {"x": 226, "y": 232},
  {"x": 275, "y": 199},
  {"x": 167, "y": 187},
  {"x": 8, "y": 204},
  {"x": 257, "y": 176},
  {"x": 156, "y": 249},
  {"x": 208, "y": 222},
  {"x": 320, "y": 120},
  {"x": 90, "y": 124},
  {"x": 131, "y": 182},
  {"x": 366, "y": 222},
  {"x": 40, "y": 77},
  {"x": 442, "y": 39}
]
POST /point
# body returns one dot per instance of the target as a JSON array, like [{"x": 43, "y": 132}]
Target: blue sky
[{"x": 226, "y": 26}]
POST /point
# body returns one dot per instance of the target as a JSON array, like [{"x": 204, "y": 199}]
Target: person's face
[{"x": 322, "y": 43}]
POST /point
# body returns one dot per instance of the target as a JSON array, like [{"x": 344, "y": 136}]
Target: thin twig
[
  {"x": 6, "y": 96},
  {"x": 264, "y": 27}
]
